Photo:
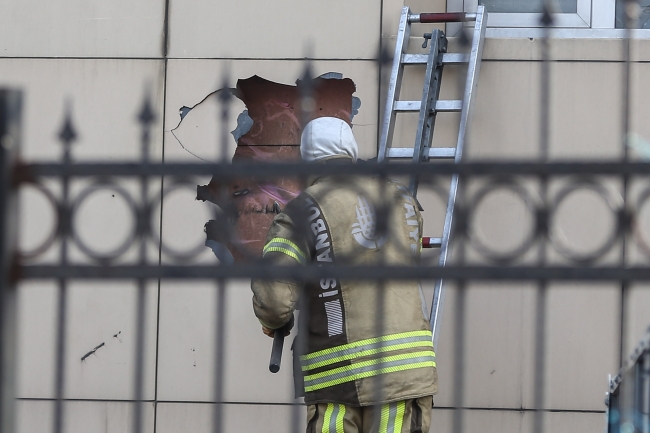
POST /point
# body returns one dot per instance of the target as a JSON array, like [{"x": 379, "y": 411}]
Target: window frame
[
  {"x": 580, "y": 19},
  {"x": 594, "y": 19}
]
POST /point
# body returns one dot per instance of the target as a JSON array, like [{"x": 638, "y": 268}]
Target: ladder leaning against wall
[{"x": 428, "y": 107}]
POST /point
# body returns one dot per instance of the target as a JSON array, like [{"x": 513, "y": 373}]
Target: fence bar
[
  {"x": 138, "y": 379},
  {"x": 381, "y": 228},
  {"x": 220, "y": 357},
  {"x": 10, "y": 123},
  {"x": 220, "y": 308},
  {"x": 459, "y": 356},
  {"x": 31, "y": 172},
  {"x": 146, "y": 118},
  {"x": 542, "y": 285},
  {"x": 211, "y": 272},
  {"x": 67, "y": 136},
  {"x": 632, "y": 10}
]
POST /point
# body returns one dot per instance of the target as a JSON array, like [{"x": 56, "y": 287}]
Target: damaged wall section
[{"x": 269, "y": 130}]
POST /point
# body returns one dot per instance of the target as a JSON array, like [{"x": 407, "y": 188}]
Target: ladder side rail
[
  {"x": 438, "y": 290},
  {"x": 468, "y": 101},
  {"x": 473, "y": 70},
  {"x": 394, "y": 85},
  {"x": 427, "y": 117}
]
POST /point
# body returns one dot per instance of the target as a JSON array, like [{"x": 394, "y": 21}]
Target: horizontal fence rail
[
  {"x": 493, "y": 273},
  {"x": 226, "y": 171}
]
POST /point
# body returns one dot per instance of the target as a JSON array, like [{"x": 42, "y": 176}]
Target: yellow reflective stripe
[
  {"x": 285, "y": 246},
  {"x": 333, "y": 419},
  {"x": 369, "y": 374},
  {"x": 370, "y": 346},
  {"x": 285, "y": 251},
  {"x": 392, "y": 417},
  {"x": 383, "y": 421},
  {"x": 339, "y": 419},
  {"x": 370, "y": 368},
  {"x": 327, "y": 418},
  {"x": 368, "y": 341},
  {"x": 285, "y": 241},
  {"x": 399, "y": 416},
  {"x": 381, "y": 349},
  {"x": 288, "y": 242}
]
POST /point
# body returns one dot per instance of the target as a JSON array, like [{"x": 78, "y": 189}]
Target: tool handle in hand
[{"x": 276, "y": 352}]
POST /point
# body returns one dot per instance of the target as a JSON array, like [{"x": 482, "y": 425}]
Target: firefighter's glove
[{"x": 286, "y": 329}]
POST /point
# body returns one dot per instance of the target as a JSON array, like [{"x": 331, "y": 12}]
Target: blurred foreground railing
[{"x": 542, "y": 255}]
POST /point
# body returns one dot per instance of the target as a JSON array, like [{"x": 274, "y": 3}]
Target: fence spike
[
  {"x": 306, "y": 92},
  {"x": 548, "y": 9},
  {"x": 68, "y": 134},
  {"x": 226, "y": 94},
  {"x": 384, "y": 56},
  {"x": 147, "y": 116}
]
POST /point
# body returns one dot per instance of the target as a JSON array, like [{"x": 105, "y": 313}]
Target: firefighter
[{"x": 356, "y": 376}]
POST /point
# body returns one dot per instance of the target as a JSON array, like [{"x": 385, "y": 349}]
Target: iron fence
[{"x": 542, "y": 255}]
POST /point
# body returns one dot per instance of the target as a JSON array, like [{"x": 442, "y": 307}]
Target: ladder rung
[
  {"x": 442, "y": 17},
  {"x": 447, "y": 59},
  {"x": 445, "y": 106},
  {"x": 434, "y": 152},
  {"x": 407, "y": 105},
  {"x": 431, "y": 242},
  {"x": 453, "y": 106}
]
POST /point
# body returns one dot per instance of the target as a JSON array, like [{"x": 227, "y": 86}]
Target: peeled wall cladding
[{"x": 278, "y": 117}]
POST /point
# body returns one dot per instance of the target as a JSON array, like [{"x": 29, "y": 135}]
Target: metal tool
[
  {"x": 428, "y": 107},
  {"x": 276, "y": 351},
  {"x": 278, "y": 344}
]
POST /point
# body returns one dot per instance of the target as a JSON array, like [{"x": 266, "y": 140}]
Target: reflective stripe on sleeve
[
  {"x": 369, "y": 368},
  {"x": 371, "y": 346},
  {"x": 285, "y": 246}
]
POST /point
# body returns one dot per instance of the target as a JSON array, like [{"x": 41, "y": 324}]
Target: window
[
  {"x": 571, "y": 14},
  {"x": 526, "y": 13},
  {"x": 644, "y": 18}
]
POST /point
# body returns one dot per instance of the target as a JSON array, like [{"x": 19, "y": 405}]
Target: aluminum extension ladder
[{"x": 428, "y": 107}]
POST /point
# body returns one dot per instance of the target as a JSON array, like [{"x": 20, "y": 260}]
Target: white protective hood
[{"x": 326, "y": 137}]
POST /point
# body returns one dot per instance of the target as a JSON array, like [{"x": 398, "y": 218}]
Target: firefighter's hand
[
  {"x": 271, "y": 332},
  {"x": 287, "y": 328},
  {"x": 268, "y": 332}
]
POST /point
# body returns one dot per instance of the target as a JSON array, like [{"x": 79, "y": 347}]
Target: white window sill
[{"x": 564, "y": 33}]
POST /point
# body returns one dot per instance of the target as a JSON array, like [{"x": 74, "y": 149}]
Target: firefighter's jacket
[{"x": 353, "y": 345}]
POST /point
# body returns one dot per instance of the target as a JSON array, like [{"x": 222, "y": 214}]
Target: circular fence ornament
[
  {"x": 641, "y": 236},
  {"x": 497, "y": 249},
  {"x": 604, "y": 241},
  {"x": 129, "y": 236},
  {"x": 174, "y": 252},
  {"x": 26, "y": 218}
]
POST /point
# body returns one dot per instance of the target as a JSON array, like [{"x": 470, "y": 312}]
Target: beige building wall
[{"x": 102, "y": 57}]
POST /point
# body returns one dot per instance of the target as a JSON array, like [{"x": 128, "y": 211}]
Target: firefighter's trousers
[{"x": 406, "y": 416}]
